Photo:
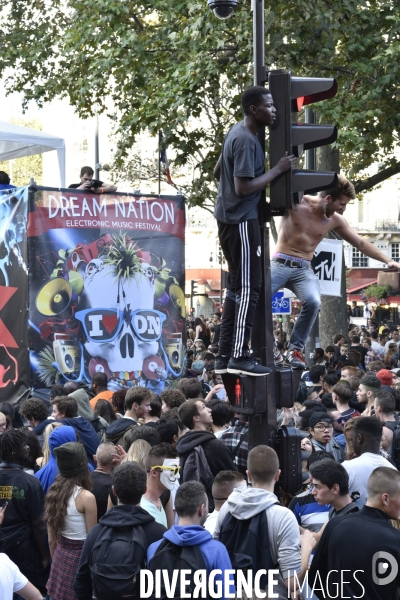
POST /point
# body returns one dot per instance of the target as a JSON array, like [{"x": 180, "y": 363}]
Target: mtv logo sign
[
  {"x": 324, "y": 264},
  {"x": 327, "y": 266}
]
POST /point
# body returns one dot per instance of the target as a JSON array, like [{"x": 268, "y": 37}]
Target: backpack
[
  {"x": 196, "y": 468},
  {"x": 172, "y": 558},
  {"x": 117, "y": 557},
  {"x": 247, "y": 543},
  {"x": 98, "y": 426},
  {"x": 395, "y": 427}
]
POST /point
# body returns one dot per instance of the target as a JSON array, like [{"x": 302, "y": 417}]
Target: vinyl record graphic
[{"x": 150, "y": 364}]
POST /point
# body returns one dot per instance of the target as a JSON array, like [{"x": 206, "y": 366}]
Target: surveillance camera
[{"x": 223, "y": 9}]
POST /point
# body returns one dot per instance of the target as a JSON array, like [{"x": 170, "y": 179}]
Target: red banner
[{"x": 79, "y": 210}]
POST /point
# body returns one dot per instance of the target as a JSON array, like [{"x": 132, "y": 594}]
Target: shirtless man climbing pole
[{"x": 299, "y": 235}]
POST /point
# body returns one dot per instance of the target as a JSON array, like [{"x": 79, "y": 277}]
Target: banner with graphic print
[
  {"x": 106, "y": 283},
  {"x": 327, "y": 266},
  {"x": 14, "y": 354}
]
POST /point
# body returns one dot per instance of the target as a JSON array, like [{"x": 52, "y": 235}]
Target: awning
[
  {"x": 16, "y": 141},
  {"x": 355, "y": 289}
]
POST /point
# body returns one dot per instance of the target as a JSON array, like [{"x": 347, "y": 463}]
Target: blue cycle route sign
[{"x": 281, "y": 305}]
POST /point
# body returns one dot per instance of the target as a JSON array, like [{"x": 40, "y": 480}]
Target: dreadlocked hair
[
  {"x": 10, "y": 443},
  {"x": 59, "y": 494}
]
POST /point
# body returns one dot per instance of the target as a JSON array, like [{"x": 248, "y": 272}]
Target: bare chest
[{"x": 307, "y": 223}]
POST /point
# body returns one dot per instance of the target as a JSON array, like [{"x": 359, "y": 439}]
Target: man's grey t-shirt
[{"x": 242, "y": 156}]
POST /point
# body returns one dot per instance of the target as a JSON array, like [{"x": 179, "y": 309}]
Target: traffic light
[
  {"x": 290, "y": 94},
  {"x": 195, "y": 288}
]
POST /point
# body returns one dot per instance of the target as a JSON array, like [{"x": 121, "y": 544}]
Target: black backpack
[
  {"x": 247, "y": 543},
  {"x": 170, "y": 557},
  {"x": 117, "y": 557}
]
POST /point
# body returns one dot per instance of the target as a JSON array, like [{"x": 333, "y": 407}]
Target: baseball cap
[{"x": 319, "y": 417}]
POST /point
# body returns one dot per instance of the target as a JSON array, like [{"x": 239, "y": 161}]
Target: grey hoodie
[
  {"x": 283, "y": 529},
  {"x": 82, "y": 400}
]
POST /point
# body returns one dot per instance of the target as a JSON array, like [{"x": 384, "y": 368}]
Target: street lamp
[{"x": 223, "y": 9}]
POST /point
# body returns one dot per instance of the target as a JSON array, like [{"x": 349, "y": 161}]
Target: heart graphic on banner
[{"x": 110, "y": 322}]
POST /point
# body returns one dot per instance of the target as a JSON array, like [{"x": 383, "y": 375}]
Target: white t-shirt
[
  {"x": 359, "y": 470},
  {"x": 11, "y": 578},
  {"x": 376, "y": 347},
  {"x": 211, "y": 521},
  {"x": 367, "y": 312}
]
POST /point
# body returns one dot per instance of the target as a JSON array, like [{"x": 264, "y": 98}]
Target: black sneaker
[
  {"x": 247, "y": 366},
  {"x": 221, "y": 365}
]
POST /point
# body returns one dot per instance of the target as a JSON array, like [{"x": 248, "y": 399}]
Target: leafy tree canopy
[{"x": 171, "y": 65}]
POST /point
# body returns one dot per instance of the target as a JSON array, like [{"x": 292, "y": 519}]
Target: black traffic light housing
[
  {"x": 195, "y": 288},
  {"x": 287, "y": 444},
  {"x": 290, "y": 94},
  {"x": 248, "y": 396}
]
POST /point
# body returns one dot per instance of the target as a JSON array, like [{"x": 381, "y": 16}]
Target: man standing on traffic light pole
[
  {"x": 300, "y": 233},
  {"x": 240, "y": 171}
]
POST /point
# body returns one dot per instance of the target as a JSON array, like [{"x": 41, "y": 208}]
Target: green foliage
[
  {"x": 122, "y": 256},
  {"x": 27, "y": 166},
  {"x": 173, "y": 66},
  {"x": 376, "y": 291}
]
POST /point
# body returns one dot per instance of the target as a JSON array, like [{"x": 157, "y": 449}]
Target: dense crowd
[{"x": 98, "y": 487}]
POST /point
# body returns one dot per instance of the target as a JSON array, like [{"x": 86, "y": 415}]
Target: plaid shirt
[
  {"x": 231, "y": 438},
  {"x": 368, "y": 358}
]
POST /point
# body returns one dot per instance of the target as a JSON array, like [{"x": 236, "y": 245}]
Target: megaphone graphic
[
  {"x": 54, "y": 297},
  {"x": 177, "y": 298}
]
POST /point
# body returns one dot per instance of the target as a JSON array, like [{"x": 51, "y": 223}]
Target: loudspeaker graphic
[
  {"x": 77, "y": 263},
  {"x": 175, "y": 353},
  {"x": 54, "y": 297},
  {"x": 66, "y": 353},
  {"x": 177, "y": 298}
]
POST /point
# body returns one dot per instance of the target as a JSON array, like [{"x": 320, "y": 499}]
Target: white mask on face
[{"x": 168, "y": 478}]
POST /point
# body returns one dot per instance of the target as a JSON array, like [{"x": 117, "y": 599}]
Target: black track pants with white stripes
[{"x": 241, "y": 245}]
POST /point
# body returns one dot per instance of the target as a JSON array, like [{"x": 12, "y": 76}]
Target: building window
[
  {"x": 395, "y": 251},
  {"x": 358, "y": 259}
]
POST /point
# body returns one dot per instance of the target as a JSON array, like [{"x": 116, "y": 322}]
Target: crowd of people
[{"x": 97, "y": 486}]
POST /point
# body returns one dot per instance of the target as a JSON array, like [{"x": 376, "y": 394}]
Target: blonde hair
[
  {"x": 344, "y": 187},
  {"x": 46, "y": 448},
  {"x": 138, "y": 452}
]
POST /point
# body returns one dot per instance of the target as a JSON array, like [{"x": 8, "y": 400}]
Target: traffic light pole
[
  {"x": 313, "y": 339},
  {"x": 262, "y": 425}
]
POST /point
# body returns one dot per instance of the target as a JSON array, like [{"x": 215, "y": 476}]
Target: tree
[{"x": 173, "y": 66}]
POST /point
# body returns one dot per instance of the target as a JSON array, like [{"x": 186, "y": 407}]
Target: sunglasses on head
[{"x": 104, "y": 324}]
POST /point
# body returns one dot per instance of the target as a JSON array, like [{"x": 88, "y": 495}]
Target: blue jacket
[
  {"x": 214, "y": 553},
  {"x": 87, "y": 435}
]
